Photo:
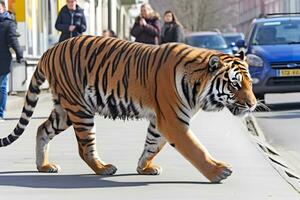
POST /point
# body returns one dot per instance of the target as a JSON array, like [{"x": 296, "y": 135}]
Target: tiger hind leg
[
  {"x": 85, "y": 134},
  {"x": 154, "y": 143},
  {"x": 56, "y": 123}
]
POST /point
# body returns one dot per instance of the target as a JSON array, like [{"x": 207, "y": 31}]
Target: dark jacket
[
  {"x": 172, "y": 32},
  {"x": 149, "y": 33},
  {"x": 8, "y": 38},
  {"x": 66, "y": 18}
]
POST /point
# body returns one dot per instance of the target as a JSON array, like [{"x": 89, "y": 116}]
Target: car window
[
  {"x": 277, "y": 32},
  {"x": 232, "y": 39},
  {"x": 207, "y": 41}
]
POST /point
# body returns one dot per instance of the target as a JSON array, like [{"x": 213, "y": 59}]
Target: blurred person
[
  {"x": 146, "y": 28},
  {"x": 70, "y": 21},
  {"x": 8, "y": 38},
  {"x": 108, "y": 33},
  {"x": 172, "y": 30}
]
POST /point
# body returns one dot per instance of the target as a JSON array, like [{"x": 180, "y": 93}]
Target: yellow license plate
[{"x": 289, "y": 72}]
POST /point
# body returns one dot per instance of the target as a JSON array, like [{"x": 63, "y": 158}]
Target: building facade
[{"x": 251, "y": 9}]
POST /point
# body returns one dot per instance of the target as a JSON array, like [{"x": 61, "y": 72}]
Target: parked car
[
  {"x": 273, "y": 53},
  {"x": 232, "y": 38},
  {"x": 209, "y": 40}
]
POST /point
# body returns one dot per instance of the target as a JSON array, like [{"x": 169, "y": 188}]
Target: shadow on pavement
[{"x": 40, "y": 180}]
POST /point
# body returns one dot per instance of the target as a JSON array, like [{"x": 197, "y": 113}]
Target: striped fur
[{"x": 165, "y": 84}]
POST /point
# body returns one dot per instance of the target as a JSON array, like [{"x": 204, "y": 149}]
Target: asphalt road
[{"x": 121, "y": 143}]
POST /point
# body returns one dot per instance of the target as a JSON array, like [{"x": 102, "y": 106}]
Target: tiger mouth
[{"x": 238, "y": 111}]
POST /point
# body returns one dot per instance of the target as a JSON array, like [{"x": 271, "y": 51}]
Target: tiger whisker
[{"x": 261, "y": 107}]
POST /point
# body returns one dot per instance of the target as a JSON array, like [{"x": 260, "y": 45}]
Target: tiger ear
[
  {"x": 241, "y": 54},
  {"x": 213, "y": 63}
]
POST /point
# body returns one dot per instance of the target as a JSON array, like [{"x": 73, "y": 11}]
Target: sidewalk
[
  {"x": 17, "y": 101},
  {"x": 225, "y": 136}
]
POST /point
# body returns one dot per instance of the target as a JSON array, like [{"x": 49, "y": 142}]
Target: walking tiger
[{"x": 165, "y": 84}]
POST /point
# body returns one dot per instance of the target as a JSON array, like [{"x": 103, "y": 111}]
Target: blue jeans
[{"x": 3, "y": 93}]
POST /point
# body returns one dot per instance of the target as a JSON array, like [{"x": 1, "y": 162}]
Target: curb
[{"x": 271, "y": 153}]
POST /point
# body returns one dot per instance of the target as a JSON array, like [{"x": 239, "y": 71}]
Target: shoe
[{"x": 2, "y": 119}]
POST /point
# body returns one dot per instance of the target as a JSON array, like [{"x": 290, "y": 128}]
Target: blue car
[
  {"x": 208, "y": 40},
  {"x": 273, "y": 53}
]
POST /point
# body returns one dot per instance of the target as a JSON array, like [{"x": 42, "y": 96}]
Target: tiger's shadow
[{"x": 32, "y": 179}]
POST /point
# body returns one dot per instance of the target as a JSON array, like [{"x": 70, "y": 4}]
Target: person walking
[
  {"x": 172, "y": 30},
  {"x": 8, "y": 38},
  {"x": 70, "y": 21},
  {"x": 146, "y": 28}
]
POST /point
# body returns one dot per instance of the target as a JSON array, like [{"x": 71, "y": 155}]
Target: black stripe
[
  {"x": 18, "y": 131},
  {"x": 32, "y": 103},
  {"x": 86, "y": 124},
  {"x": 150, "y": 143},
  {"x": 183, "y": 112},
  {"x": 152, "y": 125},
  {"x": 99, "y": 99},
  {"x": 5, "y": 141},
  {"x": 88, "y": 46},
  {"x": 169, "y": 50},
  {"x": 116, "y": 61},
  {"x": 84, "y": 142},
  {"x": 125, "y": 78},
  {"x": 12, "y": 138},
  {"x": 23, "y": 121},
  {"x": 153, "y": 133},
  {"x": 194, "y": 91},
  {"x": 80, "y": 114},
  {"x": 111, "y": 103},
  {"x": 124, "y": 111},
  {"x": 104, "y": 80},
  {"x": 46, "y": 130},
  {"x": 91, "y": 102},
  {"x": 149, "y": 151},
  {"x": 81, "y": 129},
  {"x": 28, "y": 113},
  {"x": 185, "y": 90},
  {"x": 133, "y": 108},
  {"x": 34, "y": 89},
  {"x": 185, "y": 122}
]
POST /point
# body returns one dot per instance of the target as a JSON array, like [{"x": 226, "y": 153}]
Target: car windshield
[
  {"x": 207, "y": 41},
  {"x": 232, "y": 39},
  {"x": 277, "y": 32}
]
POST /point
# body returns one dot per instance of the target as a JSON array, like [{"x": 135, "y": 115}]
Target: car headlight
[{"x": 254, "y": 60}]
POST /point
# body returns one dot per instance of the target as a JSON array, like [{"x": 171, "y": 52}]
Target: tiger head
[{"x": 231, "y": 85}]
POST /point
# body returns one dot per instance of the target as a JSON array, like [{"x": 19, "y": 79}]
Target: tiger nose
[{"x": 251, "y": 103}]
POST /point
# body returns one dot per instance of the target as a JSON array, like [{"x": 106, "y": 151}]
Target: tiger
[{"x": 164, "y": 84}]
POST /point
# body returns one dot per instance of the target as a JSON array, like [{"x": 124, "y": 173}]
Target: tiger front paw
[
  {"x": 107, "y": 169},
  {"x": 150, "y": 170},
  {"x": 49, "y": 168},
  {"x": 220, "y": 172}
]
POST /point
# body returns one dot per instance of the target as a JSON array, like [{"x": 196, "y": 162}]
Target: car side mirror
[{"x": 240, "y": 43}]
